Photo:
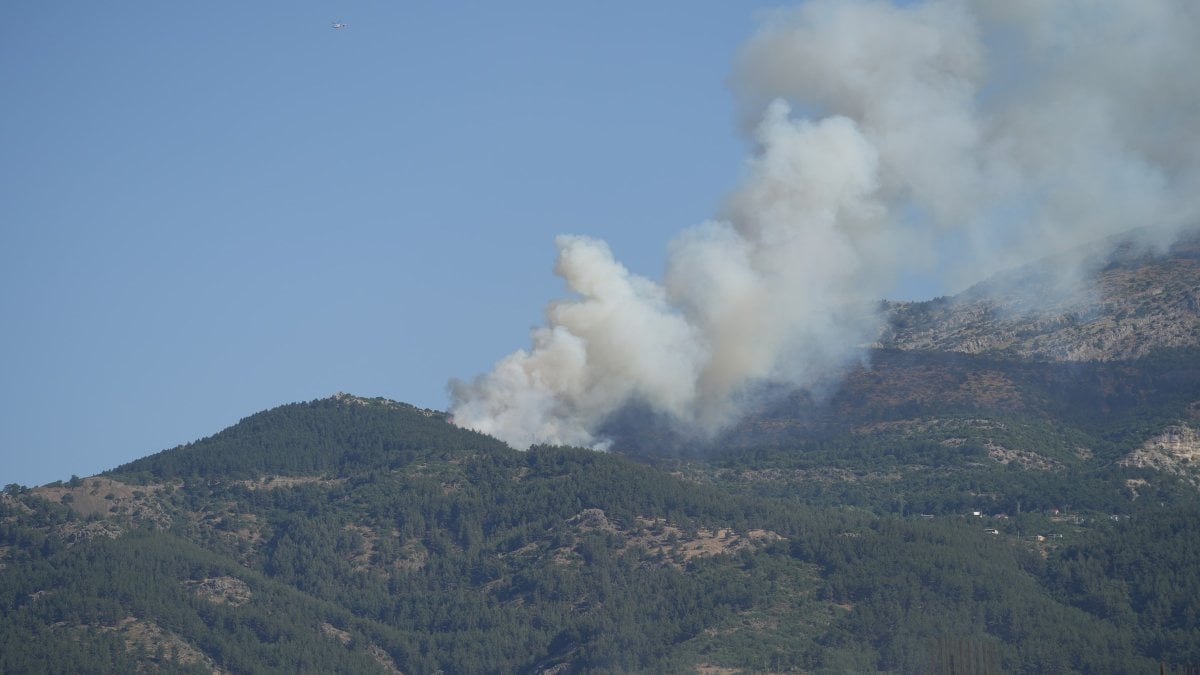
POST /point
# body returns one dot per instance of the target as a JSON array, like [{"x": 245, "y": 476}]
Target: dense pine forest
[{"x": 351, "y": 535}]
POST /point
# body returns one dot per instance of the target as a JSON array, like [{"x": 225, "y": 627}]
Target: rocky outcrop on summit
[{"x": 1130, "y": 306}]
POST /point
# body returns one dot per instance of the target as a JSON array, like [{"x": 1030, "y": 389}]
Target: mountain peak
[{"x": 328, "y": 435}]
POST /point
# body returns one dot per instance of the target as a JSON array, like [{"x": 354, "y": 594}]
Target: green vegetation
[
  {"x": 337, "y": 435},
  {"x": 354, "y": 535}
]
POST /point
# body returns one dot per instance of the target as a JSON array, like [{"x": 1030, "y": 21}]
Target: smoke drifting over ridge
[{"x": 949, "y": 136}]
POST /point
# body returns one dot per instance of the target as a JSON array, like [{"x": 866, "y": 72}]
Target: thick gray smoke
[{"x": 960, "y": 136}]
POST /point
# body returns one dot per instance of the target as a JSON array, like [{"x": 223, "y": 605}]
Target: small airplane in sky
[{"x": 338, "y": 25}]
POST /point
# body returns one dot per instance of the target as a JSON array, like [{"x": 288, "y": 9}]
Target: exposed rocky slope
[
  {"x": 1127, "y": 305},
  {"x": 1176, "y": 451}
]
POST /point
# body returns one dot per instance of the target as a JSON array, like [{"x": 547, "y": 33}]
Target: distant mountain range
[{"x": 1010, "y": 482}]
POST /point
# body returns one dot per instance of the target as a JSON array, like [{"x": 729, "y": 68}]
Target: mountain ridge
[
  {"x": 1125, "y": 306},
  {"x": 317, "y": 436}
]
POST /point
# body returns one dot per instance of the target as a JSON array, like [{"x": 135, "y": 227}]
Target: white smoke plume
[{"x": 956, "y": 135}]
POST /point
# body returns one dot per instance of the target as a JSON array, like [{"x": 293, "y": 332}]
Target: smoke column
[{"x": 962, "y": 137}]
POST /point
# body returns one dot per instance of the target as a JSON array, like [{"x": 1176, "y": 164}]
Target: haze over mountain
[
  {"x": 1126, "y": 303},
  {"x": 1021, "y": 345}
]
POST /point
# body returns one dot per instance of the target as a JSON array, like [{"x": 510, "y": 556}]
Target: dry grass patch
[
  {"x": 77, "y": 532},
  {"x": 164, "y": 645},
  {"x": 331, "y": 631},
  {"x": 1025, "y": 458},
  {"x": 280, "y": 482},
  {"x": 671, "y": 544},
  {"x": 103, "y": 497},
  {"x": 221, "y": 590}
]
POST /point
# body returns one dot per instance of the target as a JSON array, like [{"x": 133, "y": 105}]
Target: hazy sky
[{"x": 209, "y": 209}]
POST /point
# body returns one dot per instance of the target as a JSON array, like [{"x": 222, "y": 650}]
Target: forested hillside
[
  {"x": 936, "y": 511},
  {"x": 459, "y": 554}
]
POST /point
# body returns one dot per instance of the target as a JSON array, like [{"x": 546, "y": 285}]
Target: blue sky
[{"x": 209, "y": 209}]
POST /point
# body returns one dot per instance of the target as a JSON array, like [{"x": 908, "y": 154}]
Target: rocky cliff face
[
  {"x": 1176, "y": 451},
  {"x": 1128, "y": 305}
]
